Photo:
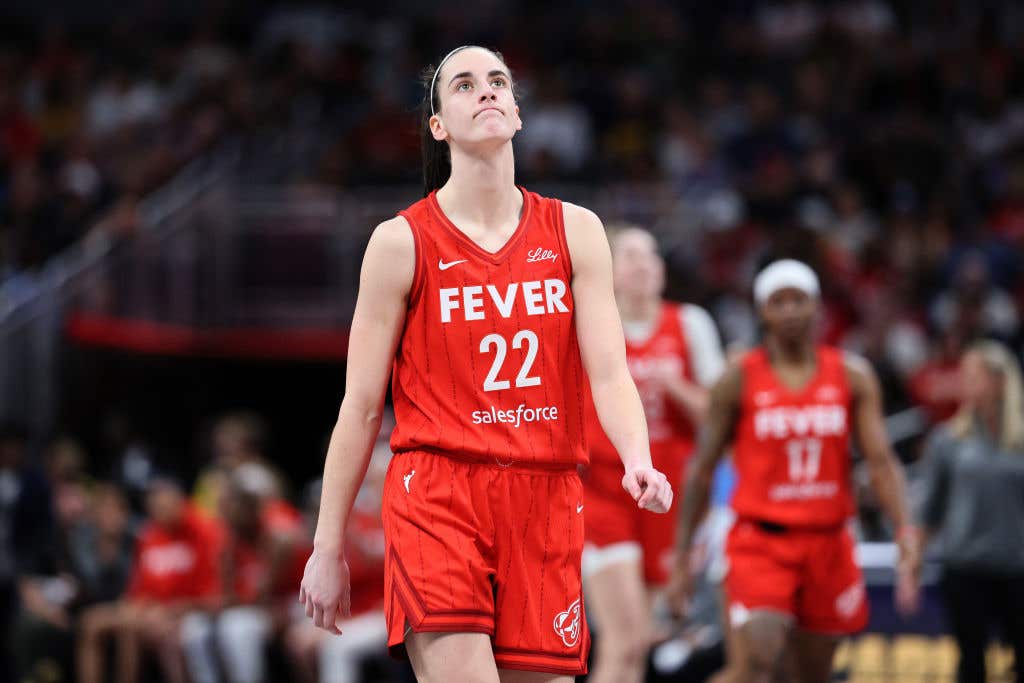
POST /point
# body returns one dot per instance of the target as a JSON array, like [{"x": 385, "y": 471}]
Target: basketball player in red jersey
[
  {"x": 490, "y": 302},
  {"x": 674, "y": 353},
  {"x": 789, "y": 408}
]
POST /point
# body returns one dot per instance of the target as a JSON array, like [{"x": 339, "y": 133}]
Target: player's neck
[
  {"x": 482, "y": 188},
  {"x": 790, "y": 353},
  {"x": 637, "y": 309}
]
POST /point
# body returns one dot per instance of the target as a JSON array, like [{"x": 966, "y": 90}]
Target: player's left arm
[
  {"x": 885, "y": 471},
  {"x": 603, "y": 350}
]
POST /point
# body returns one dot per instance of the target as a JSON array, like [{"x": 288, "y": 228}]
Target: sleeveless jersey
[
  {"x": 488, "y": 367},
  {"x": 792, "y": 450},
  {"x": 670, "y": 431}
]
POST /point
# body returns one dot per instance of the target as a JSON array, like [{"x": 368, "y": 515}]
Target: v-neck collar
[
  {"x": 495, "y": 256},
  {"x": 788, "y": 390}
]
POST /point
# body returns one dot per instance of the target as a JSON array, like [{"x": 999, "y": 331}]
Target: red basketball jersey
[
  {"x": 488, "y": 367},
  {"x": 179, "y": 562},
  {"x": 792, "y": 448},
  {"x": 669, "y": 429}
]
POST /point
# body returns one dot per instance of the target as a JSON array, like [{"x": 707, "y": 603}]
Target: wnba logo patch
[{"x": 567, "y": 624}]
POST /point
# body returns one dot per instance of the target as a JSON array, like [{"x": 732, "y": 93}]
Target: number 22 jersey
[{"x": 488, "y": 365}]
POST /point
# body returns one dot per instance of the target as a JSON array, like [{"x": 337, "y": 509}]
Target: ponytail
[{"x": 437, "y": 160}]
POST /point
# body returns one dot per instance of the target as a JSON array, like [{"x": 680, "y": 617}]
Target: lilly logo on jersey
[
  {"x": 535, "y": 296},
  {"x": 538, "y": 254},
  {"x": 567, "y": 624}
]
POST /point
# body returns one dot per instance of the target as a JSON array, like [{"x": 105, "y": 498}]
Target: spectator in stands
[
  {"x": 174, "y": 574},
  {"x": 974, "y": 501},
  {"x": 48, "y": 586},
  {"x": 132, "y": 461},
  {"x": 101, "y": 552},
  {"x": 26, "y": 220},
  {"x": 264, "y": 554},
  {"x": 973, "y": 292},
  {"x": 86, "y": 560},
  {"x": 26, "y": 527},
  {"x": 936, "y": 386},
  {"x": 236, "y": 438}
]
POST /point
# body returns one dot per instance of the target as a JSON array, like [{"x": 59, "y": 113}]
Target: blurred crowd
[
  {"x": 880, "y": 141},
  {"x": 134, "y": 573},
  {"x": 94, "y": 117}
]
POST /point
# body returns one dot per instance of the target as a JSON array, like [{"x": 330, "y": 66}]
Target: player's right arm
[
  {"x": 384, "y": 284},
  {"x": 723, "y": 410}
]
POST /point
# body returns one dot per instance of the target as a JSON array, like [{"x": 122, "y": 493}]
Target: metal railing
[{"x": 33, "y": 307}]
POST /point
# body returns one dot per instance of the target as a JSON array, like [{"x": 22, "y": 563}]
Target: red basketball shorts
[
  {"x": 810, "y": 575},
  {"x": 486, "y": 549},
  {"x": 617, "y": 530}
]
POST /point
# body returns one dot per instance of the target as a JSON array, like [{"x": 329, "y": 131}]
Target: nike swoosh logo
[
  {"x": 445, "y": 266},
  {"x": 579, "y": 509}
]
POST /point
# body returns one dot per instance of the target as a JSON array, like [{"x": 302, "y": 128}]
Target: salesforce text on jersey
[{"x": 515, "y": 417}]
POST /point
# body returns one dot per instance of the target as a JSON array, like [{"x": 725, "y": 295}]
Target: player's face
[
  {"x": 477, "y": 104},
  {"x": 636, "y": 265},
  {"x": 240, "y": 510},
  {"x": 980, "y": 384},
  {"x": 789, "y": 314},
  {"x": 165, "y": 504},
  {"x": 229, "y": 444},
  {"x": 110, "y": 513}
]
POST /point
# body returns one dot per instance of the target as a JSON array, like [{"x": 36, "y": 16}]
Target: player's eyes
[
  {"x": 464, "y": 86},
  {"x": 498, "y": 82}
]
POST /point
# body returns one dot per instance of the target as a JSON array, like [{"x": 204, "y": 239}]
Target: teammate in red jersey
[
  {"x": 673, "y": 352},
  {"x": 489, "y": 301},
  {"x": 789, "y": 408},
  {"x": 174, "y": 575}
]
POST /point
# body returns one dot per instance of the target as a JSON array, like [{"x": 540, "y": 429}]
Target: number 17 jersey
[
  {"x": 792, "y": 448},
  {"x": 488, "y": 366}
]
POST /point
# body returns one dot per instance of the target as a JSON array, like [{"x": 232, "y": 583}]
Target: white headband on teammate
[
  {"x": 785, "y": 274},
  {"x": 433, "y": 79}
]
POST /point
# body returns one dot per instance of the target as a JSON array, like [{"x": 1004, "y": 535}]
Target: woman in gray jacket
[{"x": 974, "y": 500}]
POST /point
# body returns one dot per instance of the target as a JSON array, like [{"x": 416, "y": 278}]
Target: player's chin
[
  {"x": 493, "y": 133},
  {"x": 794, "y": 329}
]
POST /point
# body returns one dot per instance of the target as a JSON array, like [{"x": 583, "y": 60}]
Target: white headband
[
  {"x": 784, "y": 274},
  {"x": 433, "y": 79}
]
